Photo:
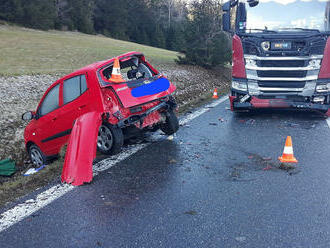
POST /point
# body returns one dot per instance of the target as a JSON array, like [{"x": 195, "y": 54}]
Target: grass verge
[{"x": 28, "y": 51}]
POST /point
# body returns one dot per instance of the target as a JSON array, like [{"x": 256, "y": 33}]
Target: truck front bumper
[{"x": 257, "y": 103}]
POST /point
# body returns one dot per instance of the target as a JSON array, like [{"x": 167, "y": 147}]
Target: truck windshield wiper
[
  {"x": 302, "y": 29},
  {"x": 262, "y": 30}
]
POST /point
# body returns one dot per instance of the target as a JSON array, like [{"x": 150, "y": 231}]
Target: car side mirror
[{"x": 28, "y": 116}]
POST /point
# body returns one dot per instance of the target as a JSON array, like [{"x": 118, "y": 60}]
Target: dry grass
[{"x": 27, "y": 51}]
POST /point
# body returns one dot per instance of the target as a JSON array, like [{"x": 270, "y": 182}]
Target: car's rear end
[{"x": 142, "y": 101}]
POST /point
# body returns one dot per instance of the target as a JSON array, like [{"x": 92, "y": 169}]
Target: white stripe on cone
[
  {"x": 288, "y": 150},
  {"x": 116, "y": 71}
]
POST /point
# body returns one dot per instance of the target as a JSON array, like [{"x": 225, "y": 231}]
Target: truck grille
[
  {"x": 287, "y": 74},
  {"x": 282, "y": 63},
  {"x": 276, "y": 84}
]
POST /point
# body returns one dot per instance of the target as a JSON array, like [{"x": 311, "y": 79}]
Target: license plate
[
  {"x": 281, "y": 45},
  {"x": 244, "y": 98}
]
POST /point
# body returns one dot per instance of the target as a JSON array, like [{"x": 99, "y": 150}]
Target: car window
[
  {"x": 50, "y": 102},
  {"x": 83, "y": 84},
  {"x": 144, "y": 70},
  {"x": 73, "y": 88}
]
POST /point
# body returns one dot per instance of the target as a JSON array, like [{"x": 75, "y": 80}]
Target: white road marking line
[
  {"x": 202, "y": 110},
  {"x": 328, "y": 121},
  {"x": 23, "y": 210}
]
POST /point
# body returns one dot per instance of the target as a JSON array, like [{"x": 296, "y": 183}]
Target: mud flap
[
  {"x": 328, "y": 113},
  {"x": 78, "y": 163}
]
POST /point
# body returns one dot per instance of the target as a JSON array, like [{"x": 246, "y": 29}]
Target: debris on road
[
  {"x": 286, "y": 167},
  {"x": 240, "y": 239},
  {"x": 7, "y": 167},
  {"x": 32, "y": 171},
  {"x": 267, "y": 168},
  {"x": 172, "y": 161},
  {"x": 250, "y": 121},
  {"x": 191, "y": 212},
  {"x": 171, "y": 137},
  {"x": 221, "y": 119},
  {"x": 213, "y": 124}
]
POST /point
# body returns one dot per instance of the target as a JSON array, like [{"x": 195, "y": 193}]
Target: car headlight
[
  {"x": 239, "y": 85},
  {"x": 315, "y": 63}
]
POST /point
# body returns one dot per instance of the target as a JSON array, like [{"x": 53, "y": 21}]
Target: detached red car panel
[{"x": 143, "y": 101}]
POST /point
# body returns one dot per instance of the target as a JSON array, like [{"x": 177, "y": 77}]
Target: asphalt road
[{"x": 216, "y": 184}]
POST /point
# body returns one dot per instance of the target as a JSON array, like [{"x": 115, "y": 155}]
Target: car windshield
[{"x": 278, "y": 15}]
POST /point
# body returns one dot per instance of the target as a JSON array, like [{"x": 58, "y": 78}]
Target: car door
[
  {"x": 47, "y": 130},
  {"x": 76, "y": 102}
]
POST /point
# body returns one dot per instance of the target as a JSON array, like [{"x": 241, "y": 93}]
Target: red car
[{"x": 142, "y": 101}]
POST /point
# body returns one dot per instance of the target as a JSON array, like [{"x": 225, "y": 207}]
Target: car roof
[{"x": 100, "y": 64}]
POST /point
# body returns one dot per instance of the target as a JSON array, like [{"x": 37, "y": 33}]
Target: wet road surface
[{"x": 216, "y": 184}]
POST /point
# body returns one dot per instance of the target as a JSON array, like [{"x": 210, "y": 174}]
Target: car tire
[
  {"x": 110, "y": 139},
  {"x": 37, "y": 157},
  {"x": 171, "y": 124}
]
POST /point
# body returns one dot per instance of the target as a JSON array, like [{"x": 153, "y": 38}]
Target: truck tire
[
  {"x": 171, "y": 124},
  {"x": 110, "y": 139}
]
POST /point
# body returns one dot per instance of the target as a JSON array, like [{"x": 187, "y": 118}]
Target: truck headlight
[
  {"x": 239, "y": 85},
  {"x": 323, "y": 88},
  {"x": 315, "y": 63}
]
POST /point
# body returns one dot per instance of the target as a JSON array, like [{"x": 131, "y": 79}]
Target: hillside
[{"x": 27, "y": 51}]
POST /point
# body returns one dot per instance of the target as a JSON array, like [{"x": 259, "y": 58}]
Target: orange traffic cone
[
  {"x": 116, "y": 75},
  {"x": 287, "y": 156},
  {"x": 215, "y": 94}
]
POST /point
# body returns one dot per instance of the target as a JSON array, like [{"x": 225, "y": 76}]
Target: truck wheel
[
  {"x": 171, "y": 124},
  {"x": 37, "y": 157},
  {"x": 110, "y": 139}
]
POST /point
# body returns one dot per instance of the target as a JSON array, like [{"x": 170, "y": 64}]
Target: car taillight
[
  {"x": 325, "y": 68},
  {"x": 238, "y": 58}
]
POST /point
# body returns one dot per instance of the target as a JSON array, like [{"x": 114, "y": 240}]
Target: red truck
[
  {"x": 281, "y": 54},
  {"x": 142, "y": 101}
]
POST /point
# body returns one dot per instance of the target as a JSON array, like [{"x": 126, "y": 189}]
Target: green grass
[{"x": 26, "y": 51}]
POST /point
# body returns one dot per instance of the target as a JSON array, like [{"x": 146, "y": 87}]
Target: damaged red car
[{"x": 140, "y": 101}]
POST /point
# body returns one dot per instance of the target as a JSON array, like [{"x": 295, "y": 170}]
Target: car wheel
[
  {"x": 37, "y": 157},
  {"x": 171, "y": 124},
  {"x": 110, "y": 139}
]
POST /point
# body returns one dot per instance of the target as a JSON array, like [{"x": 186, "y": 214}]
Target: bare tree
[{"x": 169, "y": 4}]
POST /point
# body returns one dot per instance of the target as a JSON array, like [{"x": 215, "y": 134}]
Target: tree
[
  {"x": 81, "y": 14},
  {"x": 206, "y": 45}
]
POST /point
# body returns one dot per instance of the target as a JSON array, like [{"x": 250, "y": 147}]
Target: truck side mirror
[
  {"x": 226, "y": 21},
  {"x": 226, "y": 6},
  {"x": 253, "y": 3}
]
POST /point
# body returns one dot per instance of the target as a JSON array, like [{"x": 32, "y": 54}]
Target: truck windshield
[{"x": 297, "y": 15}]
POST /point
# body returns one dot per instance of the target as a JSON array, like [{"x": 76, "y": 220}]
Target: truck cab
[{"x": 281, "y": 54}]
